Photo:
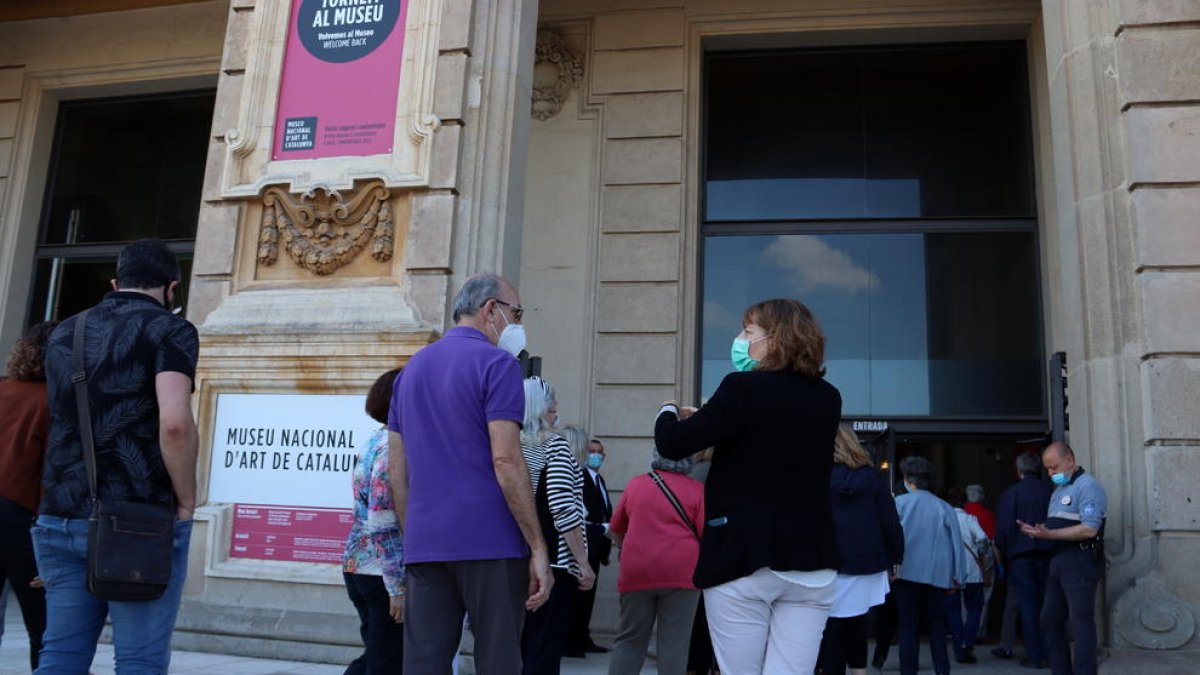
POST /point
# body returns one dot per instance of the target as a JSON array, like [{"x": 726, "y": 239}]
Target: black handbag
[{"x": 130, "y": 544}]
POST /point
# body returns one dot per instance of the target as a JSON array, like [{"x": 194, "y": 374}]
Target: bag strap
[
  {"x": 79, "y": 379},
  {"x": 662, "y": 485}
]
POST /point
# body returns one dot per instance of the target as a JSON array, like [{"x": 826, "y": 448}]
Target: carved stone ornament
[
  {"x": 1151, "y": 617},
  {"x": 557, "y": 69},
  {"x": 322, "y": 231}
]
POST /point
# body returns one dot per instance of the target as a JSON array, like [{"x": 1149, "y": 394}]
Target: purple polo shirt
[{"x": 441, "y": 405}]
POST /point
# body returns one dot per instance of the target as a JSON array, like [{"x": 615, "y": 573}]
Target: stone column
[
  {"x": 316, "y": 285},
  {"x": 1123, "y": 88}
]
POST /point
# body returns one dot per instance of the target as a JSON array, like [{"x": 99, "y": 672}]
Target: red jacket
[
  {"x": 658, "y": 551},
  {"x": 986, "y": 520}
]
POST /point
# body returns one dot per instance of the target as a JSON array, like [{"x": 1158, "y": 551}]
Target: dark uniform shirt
[{"x": 130, "y": 338}]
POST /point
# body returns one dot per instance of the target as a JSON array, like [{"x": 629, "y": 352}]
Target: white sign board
[{"x": 287, "y": 449}]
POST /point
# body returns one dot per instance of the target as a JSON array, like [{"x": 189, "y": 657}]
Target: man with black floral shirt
[{"x": 140, "y": 360}]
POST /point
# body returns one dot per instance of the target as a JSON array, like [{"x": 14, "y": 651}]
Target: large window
[
  {"x": 890, "y": 190},
  {"x": 122, "y": 169}
]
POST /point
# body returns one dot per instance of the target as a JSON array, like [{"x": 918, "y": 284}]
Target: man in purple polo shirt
[{"x": 471, "y": 537}]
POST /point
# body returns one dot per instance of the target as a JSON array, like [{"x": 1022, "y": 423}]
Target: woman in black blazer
[{"x": 769, "y": 556}]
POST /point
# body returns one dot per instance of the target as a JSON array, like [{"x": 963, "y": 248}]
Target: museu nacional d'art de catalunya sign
[
  {"x": 341, "y": 79},
  {"x": 285, "y": 462}
]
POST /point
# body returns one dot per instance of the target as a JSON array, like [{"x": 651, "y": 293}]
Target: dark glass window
[
  {"x": 890, "y": 189},
  {"x": 122, "y": 169},
  {"x": 884, "y": 133},
  {"x": 916, "y": 324}
]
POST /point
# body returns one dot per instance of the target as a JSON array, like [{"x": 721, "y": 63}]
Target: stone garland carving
[
  {"x": 322, "y": 231},
  {"x": 557, "y": 69},
  {"x": 1150, "y": 616}
]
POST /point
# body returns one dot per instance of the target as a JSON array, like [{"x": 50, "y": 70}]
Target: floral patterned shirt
[{"x": 375, "y": 546}]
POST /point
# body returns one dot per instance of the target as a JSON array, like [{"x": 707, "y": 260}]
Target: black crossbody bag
[
  {"x": 130, "y": 544},
  {"x": 662, "y": 485}
]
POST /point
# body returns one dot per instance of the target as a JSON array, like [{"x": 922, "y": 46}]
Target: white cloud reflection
[{"x": 809, "y": 264}]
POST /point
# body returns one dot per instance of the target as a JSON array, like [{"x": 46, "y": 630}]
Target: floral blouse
[{"x": 375, "y": 546}]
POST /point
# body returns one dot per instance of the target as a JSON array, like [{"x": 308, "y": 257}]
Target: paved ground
[{"x": 14, "y": 661}]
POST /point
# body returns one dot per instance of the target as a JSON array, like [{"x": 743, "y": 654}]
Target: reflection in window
[{"x": 916, "y": 324}]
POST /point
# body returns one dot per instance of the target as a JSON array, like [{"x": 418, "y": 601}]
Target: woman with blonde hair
[
  {"x": 768, "y": 556},
  {"x": 870, "y": 541}
]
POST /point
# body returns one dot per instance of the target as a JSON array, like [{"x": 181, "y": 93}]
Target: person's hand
[
  {"x": 37, "y": 582},
  {"x": 396, "y": 608},
  {"x": 587, "y": 577},
  {"x": 686, "y": 412},
  {"x": 184, "y": 514},
  {"x": 1038, "y": 531},
  {"x": 540, "y": 581}
]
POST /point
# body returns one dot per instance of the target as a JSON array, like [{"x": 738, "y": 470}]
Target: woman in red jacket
[
  {"x": 657, "y": 526},
  {"x": 24, "y": 425}
]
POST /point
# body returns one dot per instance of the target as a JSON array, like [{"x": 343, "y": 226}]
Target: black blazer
[
  {"x": 766, "y": 500},
  {"x": 599, "y": 511}
]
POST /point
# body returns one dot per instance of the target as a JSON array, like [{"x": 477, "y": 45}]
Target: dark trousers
[
  {"x": 18, "y": 566},
  {"x": 701, "y": 658},
  {"x": 382, "y": 637},
  {"x": 964, "y": 632},
  {"x": 1027, "y": 581},
  {"x": 579, "y": 634},
  {"x": 921, "y": 606},
  {"x": 1071, "y": 596},
  {"x": 884, "y": 620},
  {"x": 545, "y": 634},
  {"x": 844, "y": 644},
  {"x": 491, "y": 592}
]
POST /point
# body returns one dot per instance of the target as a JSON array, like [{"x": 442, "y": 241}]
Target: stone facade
[{"x": 590, "y": 200}]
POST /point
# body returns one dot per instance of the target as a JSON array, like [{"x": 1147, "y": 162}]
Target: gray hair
[
  {"x": 539, "y": 396},
  {"x": 1028, "y": 464},
  {"x": 475, "y": 291},
  {"x": 660, "y": 463},
  {"x": 918, "y": 471},
  {"x": 578, "y": 439},
  {"x": 975, "y": 493}
]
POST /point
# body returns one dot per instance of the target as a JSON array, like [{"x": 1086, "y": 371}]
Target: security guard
[{"x": 1075, "y": 523}]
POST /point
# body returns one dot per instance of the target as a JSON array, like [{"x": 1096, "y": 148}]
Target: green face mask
[{"x": 739, "y": 353}]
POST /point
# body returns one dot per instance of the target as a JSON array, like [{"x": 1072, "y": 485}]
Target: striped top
[{"x": 564, "y": 491}]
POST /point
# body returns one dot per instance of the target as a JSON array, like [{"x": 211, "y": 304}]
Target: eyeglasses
[{"x": 517, "y": 310}]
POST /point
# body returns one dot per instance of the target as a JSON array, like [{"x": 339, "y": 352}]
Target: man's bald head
[
  {"x": 1058, "y": 458},
  {"x": 1059, "y": 450}
]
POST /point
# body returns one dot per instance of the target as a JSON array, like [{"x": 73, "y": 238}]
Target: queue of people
[{"x": 474, "y": 506}]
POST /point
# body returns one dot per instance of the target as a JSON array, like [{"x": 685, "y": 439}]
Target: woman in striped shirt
[{"x": 558, "y": 491}]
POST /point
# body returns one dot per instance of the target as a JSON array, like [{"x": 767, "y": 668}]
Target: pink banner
[
  {"x": 289, "y": 533},
  {"x": 341, "y": 78}
]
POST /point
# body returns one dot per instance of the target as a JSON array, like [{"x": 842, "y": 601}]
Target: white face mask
[{"x": 512, "y": 340}]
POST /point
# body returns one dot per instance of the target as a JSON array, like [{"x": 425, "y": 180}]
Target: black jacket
[
  {"x": 864, "y": 513},
  {"x": 767, "y": 496},
  {"x": 599, "y": 511},
  {"x": 1027, "y": 500}
]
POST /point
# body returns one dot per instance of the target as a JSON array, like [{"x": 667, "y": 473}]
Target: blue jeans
[
  {"x": 75, "y": 617},
  {"x": 1027, "y": 579},
  {"x": 964, "y": 634}
]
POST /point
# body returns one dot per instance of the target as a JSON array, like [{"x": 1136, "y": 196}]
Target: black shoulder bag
[
  {"x": 130, "y": 544},
  {"x": 662, "y": 485}
]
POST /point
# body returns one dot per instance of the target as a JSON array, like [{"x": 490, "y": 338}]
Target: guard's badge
[
  {"x": 1089, "y": 509},
  {"x": 1066, "y": 500}
]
